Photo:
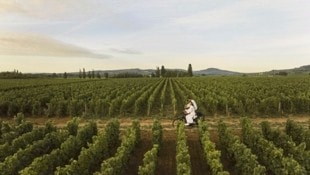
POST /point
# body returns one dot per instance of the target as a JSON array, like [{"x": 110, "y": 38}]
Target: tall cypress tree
[
  {"x": 163, "y": 71},
  {"x": 190, "y": 70},
  {"x": 65, "y": 75},
  {"x": 157, "y": 73},
  {"x": 93, "y": 74},
  {"x": 80, "y": 74},
  {"x": 84, "y": 73}
]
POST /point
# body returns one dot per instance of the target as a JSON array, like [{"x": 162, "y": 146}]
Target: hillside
[
  {"x": 299, "y": 70},
  {"x": 215, "y": 71}
]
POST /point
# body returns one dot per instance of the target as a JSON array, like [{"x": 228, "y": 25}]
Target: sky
[{"x": 237, "y": 35}]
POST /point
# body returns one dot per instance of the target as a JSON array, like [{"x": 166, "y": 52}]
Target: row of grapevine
[
  {"x": 149, "y": 161},
  {"x": 10, "y": 132},
  {"x": 245, "y": 161},
  {"x": 90, "y": 158},
  {"x": 252, "y": 95},
  {"x": 163, "y": 98},
  {"x": 23, "y": 157},
  {"x": 116, "y": 164},
  {"x": 298, "y": 133},
  {"x": 70, "y": 148},
  {"x": 81, "y": 98},
  {"x": 22, "y": 141},
  {"x": 173, "y": 98},
  {"x": 127, "y": 101},
  {"x": 188, "y": 90},
  {"x": 268, "y": 154},
  {"x": 142, "y": 102},
  {"x": 212, "y": 156},
  {"x": 150, "y": 157},
  {"x": 8, "y": 84},
  {"x": 180, "y": 96},
  {"x": 152, "y": 97},
  {"x": 183, "y": 162},
  {"x": 215, "y": 95},
  {"x": 282, "y": 140}
]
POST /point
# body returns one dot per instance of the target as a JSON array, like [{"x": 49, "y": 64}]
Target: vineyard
[
  {"x": 164, "y": 97},
  {"x": 124, "y": 126},
  {"x": 111, "y": 147}
]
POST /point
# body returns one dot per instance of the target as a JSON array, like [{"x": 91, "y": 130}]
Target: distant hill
[
  {"x": 299, "y": 70},
  {"x": 132, "y": 71},
  {"x": 209, "y": 71},
  {"x": 147, "y": 72},
  {"x": 215, "y": 71}
]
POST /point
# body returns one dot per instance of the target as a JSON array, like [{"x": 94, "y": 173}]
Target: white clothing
[
  {"x": 194, "y": 104},
  {"x": 190, "y": 114}
]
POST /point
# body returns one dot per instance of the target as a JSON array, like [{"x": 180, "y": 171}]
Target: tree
[
  {"x": 93, "y": 74},
  {"x": 190, "y": 70},
  {"x": 106, "y": 75},
  {"x": 163, "y": 71},
  {"x": 84, "y": 73},
  {"x": 157, "y": 73},
  {"x": 98, "y": 75},
  {"x": 89, "y": 74},
  {"x": 80, "y": 74},
  {"x": 65, "y": 75},
  {"x": 282, "y": 73}
]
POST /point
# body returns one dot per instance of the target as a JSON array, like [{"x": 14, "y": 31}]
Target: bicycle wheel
[
  {"x": 181, "y": 118},
  {"x": 175, "y": 122}
]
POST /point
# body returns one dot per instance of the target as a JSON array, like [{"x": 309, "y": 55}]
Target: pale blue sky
[{"x": 66, "y": 35}]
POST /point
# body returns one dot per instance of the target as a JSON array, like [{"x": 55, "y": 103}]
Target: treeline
[
  {"x": 18, "y": 75},
  {"x": 163, "y": 72}
]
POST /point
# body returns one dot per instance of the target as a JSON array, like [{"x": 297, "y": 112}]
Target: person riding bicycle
[{"x": 190, "y": 112}]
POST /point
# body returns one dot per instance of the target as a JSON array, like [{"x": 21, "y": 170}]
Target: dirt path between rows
[
  {"x": 167, "y": 153},
  {"x": 147, "y": 122},
  {"x": 198, "y": 163}
]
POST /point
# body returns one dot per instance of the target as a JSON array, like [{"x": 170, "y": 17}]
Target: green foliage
[
  {"x": 19, "y": 118},
  {"x": 212, "y": 156},
  {"x": 150, "y": 157},
  {"x": 68, "y": 149},
  {"x": 22, "y": 141},
  {"x": 90, "y": 158},
  {"x": 116, "y": 164},
  {"x": 23, "y": 157},
  {"x": 183, "y": 162},
  {"x": 139, "y": 96},
  {"x": 298, "y": 133},
  {"x": 73, "y": 125},
  {"x": 157, "y": 132},
  {"x": 10, "y": 132},
  {"x": 245, "y": 161},
  {"x": 149, "y": 162},
  {"x": 269, "y": 155},
  {"x": 290, "y": 149}
]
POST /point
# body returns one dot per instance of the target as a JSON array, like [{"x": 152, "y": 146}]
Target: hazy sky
[{"x": 238, "y": 35}]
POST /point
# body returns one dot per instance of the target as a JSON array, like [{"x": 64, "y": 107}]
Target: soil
[
  {"x": 167, "y": 153},
  {"x": 199, "y": 166},
  {"x": 146, "y": 122},
  {"x": 137, "y": 155}
]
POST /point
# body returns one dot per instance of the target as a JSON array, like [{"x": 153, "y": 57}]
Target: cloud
[
  {"x": 55, "y": 10},
  {"x": 125, "y": 51},
  {"x": 20, "y": 44},
  {"x": 10, "y": 7}
]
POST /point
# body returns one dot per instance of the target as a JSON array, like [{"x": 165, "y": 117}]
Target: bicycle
[{"x": 181, "y": 117}]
